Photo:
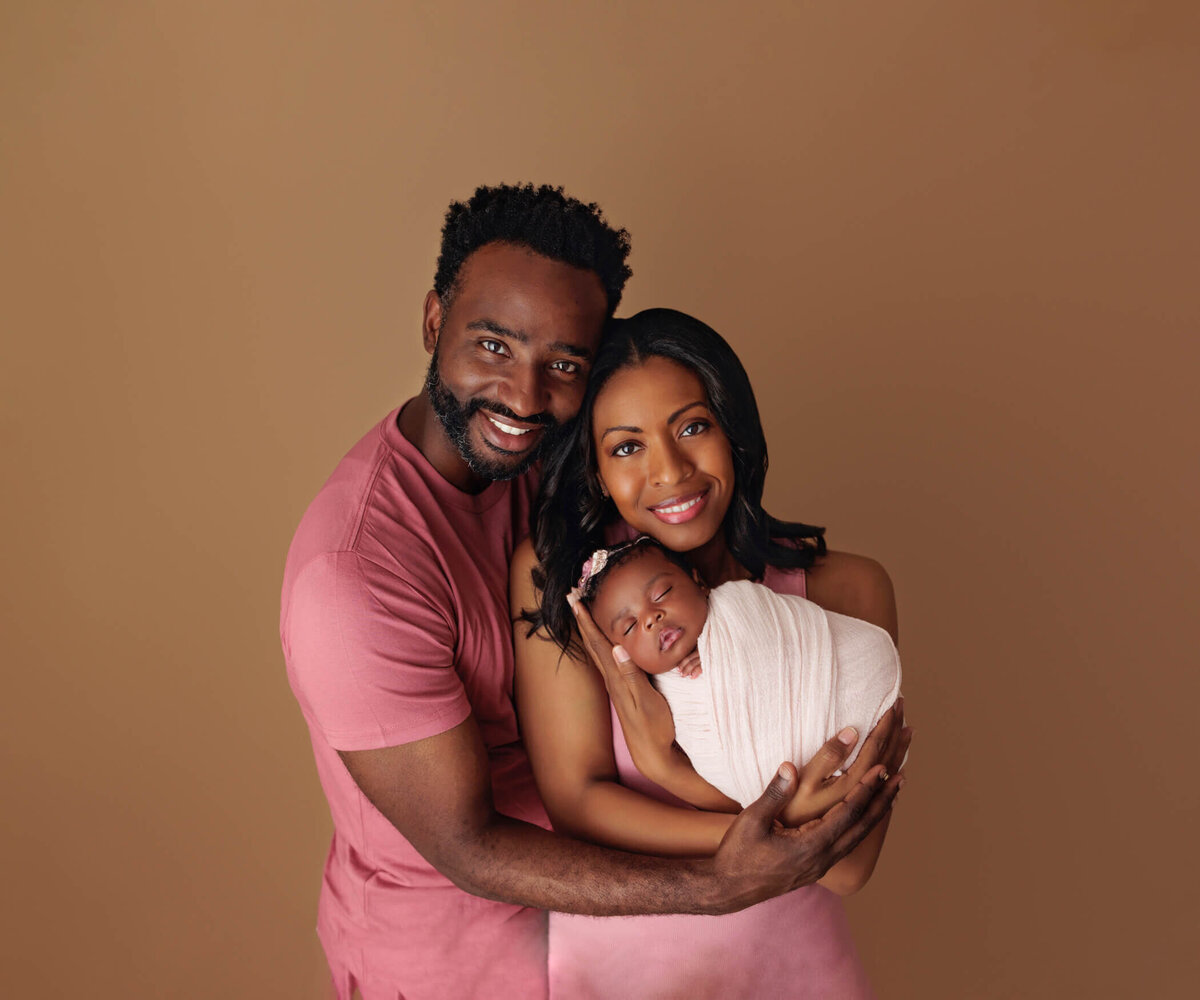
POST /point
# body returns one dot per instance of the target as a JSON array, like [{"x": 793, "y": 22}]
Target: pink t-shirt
[{"x": 395, "y": 627}]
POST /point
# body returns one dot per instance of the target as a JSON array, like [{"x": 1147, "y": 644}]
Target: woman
[{"x": 669, "y": 444}]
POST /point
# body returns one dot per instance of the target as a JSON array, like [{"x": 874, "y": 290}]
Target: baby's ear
[{"x": 699, "y": 582}]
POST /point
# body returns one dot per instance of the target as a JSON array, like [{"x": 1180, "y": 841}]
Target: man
[{"x": 397, "y": 637}]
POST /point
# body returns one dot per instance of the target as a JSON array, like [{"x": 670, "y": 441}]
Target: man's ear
[{"x": 431, "y": 320}]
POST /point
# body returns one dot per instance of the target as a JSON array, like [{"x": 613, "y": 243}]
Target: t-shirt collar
[{"x": 446, "y": 492}]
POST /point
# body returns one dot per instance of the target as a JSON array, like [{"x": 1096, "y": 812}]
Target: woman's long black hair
[{"x": 570, "y": 514}]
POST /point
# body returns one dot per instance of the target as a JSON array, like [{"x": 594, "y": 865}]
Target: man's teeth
[
  {"x": 680, "y": 507},
  {"x": 507, "y": 428}
]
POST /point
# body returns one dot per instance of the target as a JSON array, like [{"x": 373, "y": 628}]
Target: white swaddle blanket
[{"x": 780, "y": 677}]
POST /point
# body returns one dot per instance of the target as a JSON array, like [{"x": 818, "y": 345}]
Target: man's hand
[{"x": 768, "y": 858}]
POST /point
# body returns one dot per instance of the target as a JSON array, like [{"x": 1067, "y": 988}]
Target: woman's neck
[{"x": 716, "y": 563}]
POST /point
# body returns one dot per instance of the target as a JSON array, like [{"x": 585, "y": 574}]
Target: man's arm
[{"x": 437, "y": 793}]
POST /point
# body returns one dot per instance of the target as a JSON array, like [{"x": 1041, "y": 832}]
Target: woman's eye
[
  {"x": 694, "y": 428},
  {"x": 625, "y": 449}
]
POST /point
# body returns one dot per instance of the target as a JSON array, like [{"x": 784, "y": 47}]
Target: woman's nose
[{"x": 670, "y": 467}]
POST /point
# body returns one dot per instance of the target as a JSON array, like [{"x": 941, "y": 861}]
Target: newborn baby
[{"x": 752, "y": 677}]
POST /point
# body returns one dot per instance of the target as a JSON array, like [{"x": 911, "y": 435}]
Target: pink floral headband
[{"x": 594, "y": 565}]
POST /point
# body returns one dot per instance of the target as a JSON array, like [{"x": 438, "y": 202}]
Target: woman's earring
[{"x": 603, "y": 491}]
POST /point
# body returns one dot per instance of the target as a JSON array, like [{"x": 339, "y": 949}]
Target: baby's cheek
[{"x": 650, "y": 656}]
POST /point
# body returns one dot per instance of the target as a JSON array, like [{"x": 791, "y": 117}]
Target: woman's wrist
[
  {"x": 661, "y": 764},
  {"x": 679, "y": 777}
]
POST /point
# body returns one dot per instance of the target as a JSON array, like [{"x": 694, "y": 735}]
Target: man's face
[{"x": 511, "y": 355}]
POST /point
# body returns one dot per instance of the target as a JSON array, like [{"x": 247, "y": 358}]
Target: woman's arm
[
  {"x": 563, "y": 709},
  {"x": 859, "y": 587}
]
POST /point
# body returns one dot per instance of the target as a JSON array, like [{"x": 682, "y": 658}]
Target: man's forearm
[
  {"x": 520, "y": 863},
  {"x": 517, "y": 862},
  {"x": 435, "y": 792}
]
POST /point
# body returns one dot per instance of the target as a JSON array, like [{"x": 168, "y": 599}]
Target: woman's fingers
[
  {"x": 634, "y": 678},
  {"x": 642, "y": 711},
  {"x": 875, "y": 746},
  {"x": 828, "y": 759},
  {"x": 625, "y": 681},
  {"x": 593, "y": 639}
]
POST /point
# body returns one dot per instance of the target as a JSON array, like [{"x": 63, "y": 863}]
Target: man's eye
[
  {"x": 694, "y": 428},
  {"x": 492, "y": 346},
  {"x": 569, "y": 367},
  {"x": 625, "y": 449}
]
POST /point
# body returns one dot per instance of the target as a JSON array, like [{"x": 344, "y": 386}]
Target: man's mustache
[{"x": 503, "y": 411}]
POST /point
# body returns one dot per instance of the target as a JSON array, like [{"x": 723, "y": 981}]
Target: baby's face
[{"x": 652, "y": 608}]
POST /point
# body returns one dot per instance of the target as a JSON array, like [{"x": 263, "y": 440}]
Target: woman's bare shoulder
[
  {"x": 521, "y": 591},
  {"x": 854, "y": 585},
  {"x": 523, "y": 559}
]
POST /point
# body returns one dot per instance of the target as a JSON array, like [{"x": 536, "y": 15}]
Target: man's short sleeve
[{"x": 372, "y": 656}]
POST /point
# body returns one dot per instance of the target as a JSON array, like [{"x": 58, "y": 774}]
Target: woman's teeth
[{"x": 679, "y": 508}]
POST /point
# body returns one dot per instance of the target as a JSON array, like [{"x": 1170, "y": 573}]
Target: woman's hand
[
  {"x": 819, "y": 788},
  {"x": 642, "y": 711}
]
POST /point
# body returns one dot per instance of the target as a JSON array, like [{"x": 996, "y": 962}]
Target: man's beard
[{"x": 455, "y": 416}]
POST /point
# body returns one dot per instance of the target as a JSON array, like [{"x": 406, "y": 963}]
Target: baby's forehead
[{"x": 639, "y": 567}]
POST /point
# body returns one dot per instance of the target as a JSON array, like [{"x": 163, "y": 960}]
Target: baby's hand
[{"x": 690, "y": 665}]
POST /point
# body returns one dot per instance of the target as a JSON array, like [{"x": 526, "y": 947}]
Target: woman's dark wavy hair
[{"x": 570, "y": 515}]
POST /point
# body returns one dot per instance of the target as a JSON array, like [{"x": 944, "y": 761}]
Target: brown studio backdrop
[{"x": 955, "y": 245}]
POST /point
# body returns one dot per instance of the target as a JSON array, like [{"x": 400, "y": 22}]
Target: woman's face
[{"x": 661, "y": 455}]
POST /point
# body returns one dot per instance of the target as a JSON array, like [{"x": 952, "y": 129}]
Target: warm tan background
[{"x": 956, "y": 245}]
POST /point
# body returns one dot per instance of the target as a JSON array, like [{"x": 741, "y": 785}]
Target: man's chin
[{"x": 489, "y": 462}]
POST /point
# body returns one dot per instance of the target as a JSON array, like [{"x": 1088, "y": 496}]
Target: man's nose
[{"x": 526, "y": 392}]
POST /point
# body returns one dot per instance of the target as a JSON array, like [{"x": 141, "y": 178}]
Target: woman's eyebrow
[
  {"x": 683, "y": 409},
  {"x": 670, "y": 420}
]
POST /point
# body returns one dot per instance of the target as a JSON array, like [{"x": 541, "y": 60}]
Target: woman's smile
[
  {"x": 679, "y": 510},
  {"x": 661, "y": 454}
]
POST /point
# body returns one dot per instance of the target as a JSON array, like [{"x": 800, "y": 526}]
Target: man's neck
[{"x": 424, "y": 431}]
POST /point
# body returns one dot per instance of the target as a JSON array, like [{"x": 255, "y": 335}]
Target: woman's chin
[{"x": 679, "y": 537}]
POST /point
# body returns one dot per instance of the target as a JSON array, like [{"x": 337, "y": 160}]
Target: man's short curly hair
[{"x": 541, "y": 218}]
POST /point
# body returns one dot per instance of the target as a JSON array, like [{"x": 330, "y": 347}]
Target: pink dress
[{"x": 796, "y": 945}]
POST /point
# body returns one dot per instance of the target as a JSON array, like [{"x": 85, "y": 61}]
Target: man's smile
[{"x": 509, "y": 435}]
